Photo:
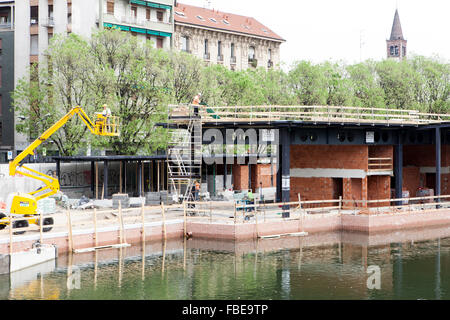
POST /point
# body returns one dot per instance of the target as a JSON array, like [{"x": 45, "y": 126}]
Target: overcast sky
[{"x": 346, "y": 30}]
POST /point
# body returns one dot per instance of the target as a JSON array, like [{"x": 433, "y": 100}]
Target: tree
[
  {"x": 49, "y": 92},
  {"x": 113, "y": 68}
]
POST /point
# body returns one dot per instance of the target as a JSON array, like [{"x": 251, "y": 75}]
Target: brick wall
[
  {"x": 338, "y": 157},
  {"x": 260, "y": 173},
  {"x": 240, "y": 176},
  {"x": 379, "y": 188}
]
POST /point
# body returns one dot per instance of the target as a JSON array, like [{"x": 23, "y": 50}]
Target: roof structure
[
  {"x": 228, "y": 22},
  {"x": 396, "y": 33}
]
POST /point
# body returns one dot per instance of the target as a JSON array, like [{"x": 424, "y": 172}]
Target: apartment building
[
  {"x": 238, "y": 42},
  {"x": 6, "y": 78}
]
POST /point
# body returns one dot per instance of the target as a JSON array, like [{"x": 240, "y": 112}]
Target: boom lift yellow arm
[{"x": 104, "y": 126}]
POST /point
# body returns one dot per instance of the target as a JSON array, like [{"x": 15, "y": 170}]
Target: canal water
[{"x": 321, "y": 266}]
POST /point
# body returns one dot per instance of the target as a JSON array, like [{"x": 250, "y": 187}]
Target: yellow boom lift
[{"x": 25, "y": 204}]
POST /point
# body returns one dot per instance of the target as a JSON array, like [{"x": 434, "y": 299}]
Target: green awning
[
  {"x": 138, "y": 30},
  {"x": 151, "y": 4},
  {"x": 159, "y": 33}
]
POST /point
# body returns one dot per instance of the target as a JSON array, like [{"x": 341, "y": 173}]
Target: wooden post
[
  {"x": 10, "y": 235},
  {"x": 256, "y": 224},
  {"x": 210, "y": 213},
  {"x": 143, "y": 222},
  {"x": 95, "y": 227},
  {"x": 164, "y": 220},
  {"x": 142, "y": 191},
  {"x": 40, "y": 227},
  {"x": 69, "y": 225},
  {"x": 121, "y": 223},
  {"x": 184, "y": 213},
  {"x": 120, "y": 177}
]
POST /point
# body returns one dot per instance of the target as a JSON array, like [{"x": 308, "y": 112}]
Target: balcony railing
[
  {"x": 206, "y": 56},
  {"x": 50, "y": 22},
  {"x": 233, "y": 60},
  {"x": 220, "y": 58},
  {"x": 379, "y": 165},
  {"x": 253, "y": 62}
]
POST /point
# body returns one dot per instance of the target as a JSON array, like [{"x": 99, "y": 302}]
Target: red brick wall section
[
  {"x": 419, "y": 156},
  {"x": 240, "y": 176},
  {"x": 379, "y": 188},
  {"x": 262, "y": 174},
  {"x": 411, "y": 180},
  {"x": 311, "y": 189},
  {"x": 337, "y": 157}
]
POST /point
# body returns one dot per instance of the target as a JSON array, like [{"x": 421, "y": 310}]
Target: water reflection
[{"x": 320, "y": 266}]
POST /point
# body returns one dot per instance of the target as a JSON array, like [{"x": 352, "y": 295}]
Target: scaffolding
[{"x": 184, "y": 152}]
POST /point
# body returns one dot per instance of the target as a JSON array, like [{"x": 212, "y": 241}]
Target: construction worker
[
  {"x": 196, "y": 103},
  {"x": 197, "y": 189},
  {"x": 106, "y": 113}
]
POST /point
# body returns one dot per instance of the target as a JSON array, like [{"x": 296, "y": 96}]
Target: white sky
[{"x": 319, "y": 30}]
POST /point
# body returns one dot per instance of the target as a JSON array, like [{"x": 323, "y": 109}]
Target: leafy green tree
[
  {"x": 49, "y": 92},
  {"x": 308, "y": 83}
]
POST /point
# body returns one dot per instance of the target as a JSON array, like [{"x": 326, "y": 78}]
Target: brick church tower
[{"x": 396, "y": 45}]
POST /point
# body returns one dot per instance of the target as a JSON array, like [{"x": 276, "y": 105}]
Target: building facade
[
  {"x": 6, "y": 78},
  {"x": 396, "y": 44},
  {"x": 238, "y": 42}
]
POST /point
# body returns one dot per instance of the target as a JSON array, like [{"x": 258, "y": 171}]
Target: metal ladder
[{"x": 184, "y": 156}]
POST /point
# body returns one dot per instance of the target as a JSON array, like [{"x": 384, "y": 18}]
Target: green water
[{"x": 252, "y": 270}]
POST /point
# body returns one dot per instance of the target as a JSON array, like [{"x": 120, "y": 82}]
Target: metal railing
[{"x": 324, "y": 114}]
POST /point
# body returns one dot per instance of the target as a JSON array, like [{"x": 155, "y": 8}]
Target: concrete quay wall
[{"x": 365, "y": 224}]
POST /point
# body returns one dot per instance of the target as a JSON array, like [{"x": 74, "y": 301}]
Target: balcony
[
  {"x": 165, "y": 27},
  {"x": 206, "y": 56},
  {"x": 253, "y": 62},
  {"x": 49, "y": 22}
]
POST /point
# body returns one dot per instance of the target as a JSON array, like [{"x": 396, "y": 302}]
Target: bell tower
[{"x": 396, "y": 44}]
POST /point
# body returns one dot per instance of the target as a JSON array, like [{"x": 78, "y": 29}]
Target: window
[
  {"x": 219, "y": 48},
  {"x": 391, "y": 50},
  {"x": 200, "y": 18},
  {"x": 34, "y": 14},
  {"x": 110, "y": 7},
  {"x": 159, "y": 43},
  {"x": 160, "y": 16},
  {"x": 206, "y": 46},
  {"x": 403, "y": 51},
  {"x": 213, "y": 20},
  {"x": 225, "y": 21},
  {"x": 396, "y": 50},
  {"x": 147, "y": 14},
  {"x": 251, "y": 53},
  {"x": 133, "y": 11},
  {"x": 34, "y": 45},
  {"x": 232, "y": 50},
  {"x": 270, "y": 54},
  {"x": 185, "y": 43},
  {"x": 178, "y": 13}
]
